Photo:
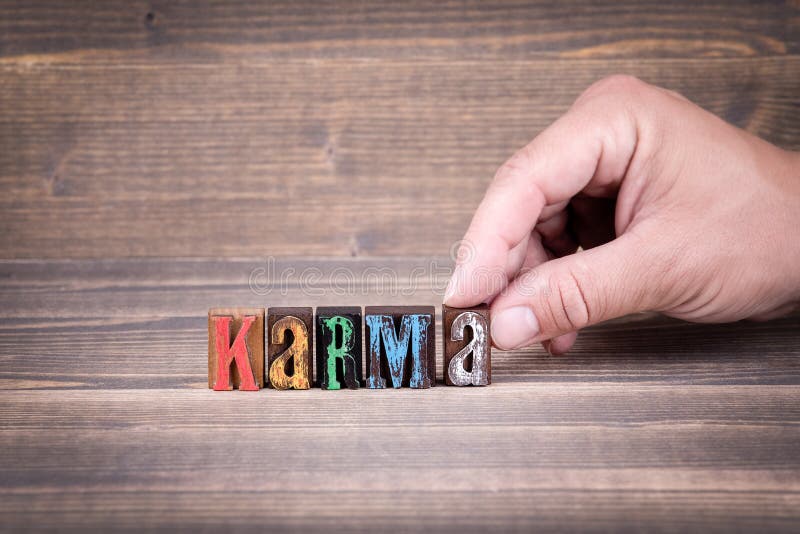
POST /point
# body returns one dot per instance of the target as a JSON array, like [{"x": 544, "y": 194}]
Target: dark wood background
[{"x": 154, "y": 155}]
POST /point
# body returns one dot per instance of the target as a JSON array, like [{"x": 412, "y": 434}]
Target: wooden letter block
[
  {"x": 467, "y": 358},
  {"x": 339, "y": 347},
  {"x": 245, "y": 326},
  {"x": 401, "y": 344},
  {"x": 290, "y": 338}
]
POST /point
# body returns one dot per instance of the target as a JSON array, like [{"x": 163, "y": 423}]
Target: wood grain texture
[
  {"x": 313, "y": 28},
  {"x": 650, "y": 423},
  {"x": 123, "y": 136},
  {"x": 356, "y": 138}
]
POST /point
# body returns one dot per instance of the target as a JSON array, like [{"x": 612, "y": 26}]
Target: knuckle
[
  {"x": 677, "y": 95},
  {"x": 507, "y": 171},
  {"x": 620, "y": 83},
  {"x": 614, "y": 86},
  {"x": 569, "y": 305},
  {"x": 516, "y": 166},
  {"x": 515, "y": 175}
]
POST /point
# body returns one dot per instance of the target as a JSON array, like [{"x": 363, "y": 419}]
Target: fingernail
[
  {"x": 515, "y": 327},
  {"x": 452, "y": 285}
]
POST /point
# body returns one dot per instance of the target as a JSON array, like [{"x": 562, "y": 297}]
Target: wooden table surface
[{"x": 155, "y": 157}]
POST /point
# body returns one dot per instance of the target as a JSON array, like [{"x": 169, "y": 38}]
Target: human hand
[{"x": 674, "y": 210}]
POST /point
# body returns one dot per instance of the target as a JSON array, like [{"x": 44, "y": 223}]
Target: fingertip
[
  {"x": 480, "y": 272},
  {"x": 450, "y": 291},
  {"x": 456, "y": 294},
  {"x": 514, "y": 328},
  {"x": 562, "y": 344}
]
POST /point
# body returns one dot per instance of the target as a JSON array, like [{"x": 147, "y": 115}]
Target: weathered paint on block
[
  {"x": 290, "y": 341},
  {"x": 237, "y": 364},
  {"x": 339, "y": 347},
  {"x": 467, "y": 359},
  {"x": 401, "y": 344}
]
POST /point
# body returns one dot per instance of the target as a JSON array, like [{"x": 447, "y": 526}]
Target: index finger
[{"x": 592, "y": 143}]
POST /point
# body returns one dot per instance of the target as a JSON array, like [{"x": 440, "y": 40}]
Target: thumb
[{"x": 566, "y": 294}]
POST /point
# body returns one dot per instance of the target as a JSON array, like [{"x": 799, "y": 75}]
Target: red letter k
[{"x": 226, "y": 352}]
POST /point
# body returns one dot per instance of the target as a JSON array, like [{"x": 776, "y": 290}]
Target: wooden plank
[
  {"x": 508, "y": 405},
  {"x": 517, "y": 28},
  {"x": 82, "y": 324},
  {"x": 649, "y": 453},
  {"x": 86, "y": 354},
  {"x": 122, "y": 121},
  {"x": 354, "y": 511},
  {"x": 649, "y": 424},
  {"x": 330, "y": 153}
]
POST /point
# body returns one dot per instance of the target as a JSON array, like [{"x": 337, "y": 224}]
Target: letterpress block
[
  {"x": 339, "y": 347},
  {"x": 290, "y": 341},
  {"x": 236, "y": 349},
  {"x": 467, "y": 346},
  {"x": 401, "y": 346}
]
